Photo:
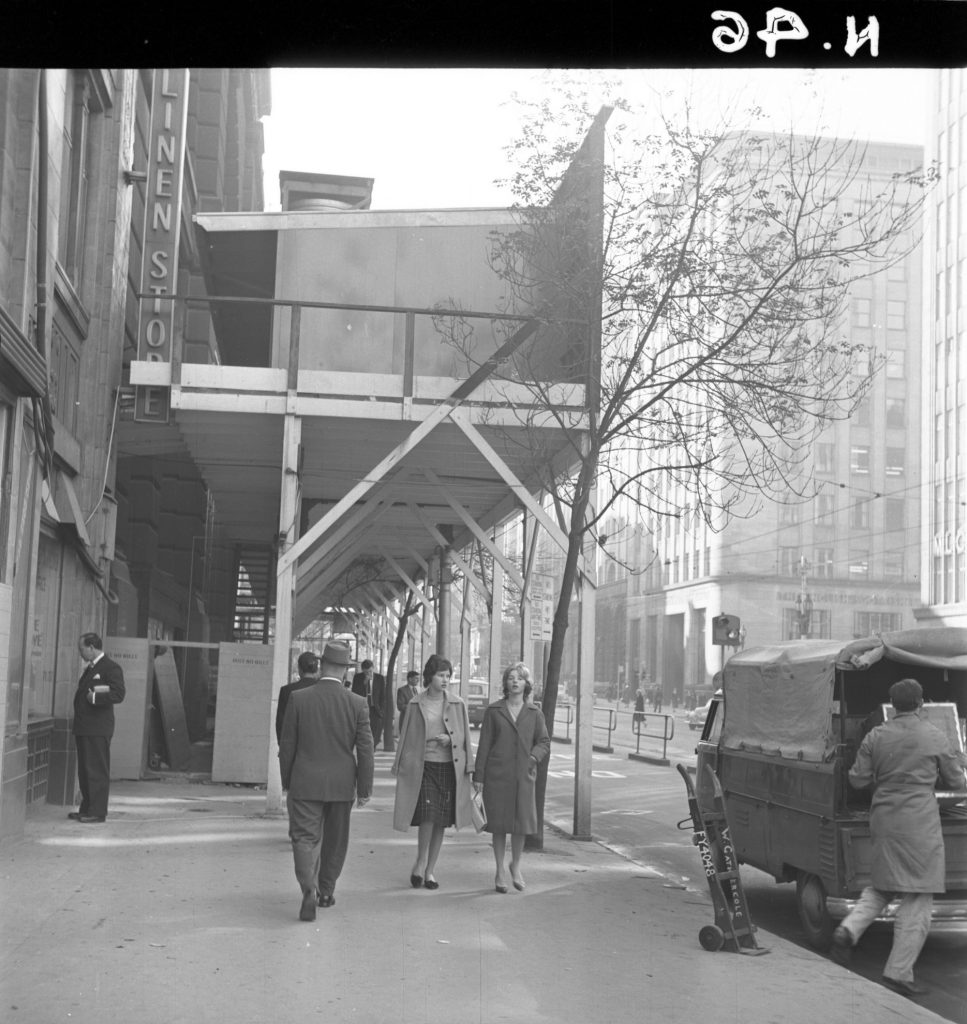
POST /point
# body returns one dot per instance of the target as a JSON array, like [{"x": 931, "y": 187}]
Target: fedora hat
[{"x": 336, "y": 653}]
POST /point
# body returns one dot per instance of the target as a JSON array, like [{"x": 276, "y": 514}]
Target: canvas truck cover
[{"x": 779, "y": 698}]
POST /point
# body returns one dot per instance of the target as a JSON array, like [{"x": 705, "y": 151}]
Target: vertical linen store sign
[{"x": 162, "y": 232}]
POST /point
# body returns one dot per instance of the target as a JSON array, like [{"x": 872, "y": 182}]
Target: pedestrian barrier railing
[
  {"x": 604, "y": 721},
  {"x": 652, "y": 726},
  {"x": 563, "y": 717}
]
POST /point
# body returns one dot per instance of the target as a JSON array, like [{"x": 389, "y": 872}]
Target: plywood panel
[
  {"x": 243, "y": 713},
  {"x": 172, "y": 709},
  {"x": 131, "y": 717}
]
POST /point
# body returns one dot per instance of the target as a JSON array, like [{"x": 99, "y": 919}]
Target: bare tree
[{"x": 717, "y": 279}]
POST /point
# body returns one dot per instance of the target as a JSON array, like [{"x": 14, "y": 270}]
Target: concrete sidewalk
[{"x": 183, "y": 909}]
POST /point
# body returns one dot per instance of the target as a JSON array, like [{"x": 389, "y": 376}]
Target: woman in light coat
[
  {"x": 433, "y": 765},
  {"x": 513, "y": 741}
]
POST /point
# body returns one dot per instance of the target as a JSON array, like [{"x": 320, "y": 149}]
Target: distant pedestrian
[
  {"x": 513, "y": 741},
  {"x": 902, "y": 760},
  {"x": 308, "y": 674},
  {"x": 325, "y": 759},
  {"x": 639, "y": 715},
  {"x": 434, "y": 761},
  {"x": 100, "y": 687},
  {"x": 406, "y": 693},
  {"x": 372, "y": 686},
  {"x": 656, "y": 698}
]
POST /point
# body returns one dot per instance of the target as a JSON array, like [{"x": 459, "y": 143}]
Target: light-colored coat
[
  {"x": 505, "y": 768},
  {"x": 408, "y": 763},
  {"x": 902, "y": 760},
  {"x": 326, "y": 749}
]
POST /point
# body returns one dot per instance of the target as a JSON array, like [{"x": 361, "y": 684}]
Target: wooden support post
[
  {"x": 286, "y": 571},
  {"x": 497, "y": 605}
]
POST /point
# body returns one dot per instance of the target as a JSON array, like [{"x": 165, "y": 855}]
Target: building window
[
  {"x": 897, "y": 272},
  {"x": 821, "y": 624},
  {"x": 788, "y": 561},
  {"x": 894, "y": 513},
  {"x": 896, "y": 314},
  {"x": 861, "y": 311},
  {"x": 859, "y": 516},
  {"x": 896, "y": 412},
  {"x": 874, "y": 623},
  {"x": 859, "y": 459},
  {"x": 695, "y": 565},
  {"x": 80, "y": 129},
  {"x": 859, "y": 565},
  {"x": 825, "y": 457},
  {"x": 708, "y": 561},
  {"x": 824, "y": 509},
  {"x": 895, "y": 462},
  {"x": 896, "y": 363},
  {"x": 893, "y": 566},
  {"x": 861, "y": 414},
  {"x": 65, "y": 363},
  {"x": 788, "y": 513},
  {"x": 823, "y": 564}
]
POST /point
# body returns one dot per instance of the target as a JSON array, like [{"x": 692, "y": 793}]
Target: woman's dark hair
[
  {"x": 521, "y": 669},
  {"x": 435, "y": 663}
]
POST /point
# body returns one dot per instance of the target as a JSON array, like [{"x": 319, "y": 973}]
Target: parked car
[{"x": 477, "y": 698}]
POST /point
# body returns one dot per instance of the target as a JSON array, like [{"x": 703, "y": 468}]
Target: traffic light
[{"x": 725, "y": 630}]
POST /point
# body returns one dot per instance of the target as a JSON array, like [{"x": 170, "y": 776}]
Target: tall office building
[
  {"x": 850, "y": 555},
  {"x": 944, "y": 362}
]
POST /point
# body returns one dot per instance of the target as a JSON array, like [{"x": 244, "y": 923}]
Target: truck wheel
[{"x": 811, "y": 904}]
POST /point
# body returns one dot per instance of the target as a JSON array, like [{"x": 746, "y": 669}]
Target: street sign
[{"x": 540, "y": 592}]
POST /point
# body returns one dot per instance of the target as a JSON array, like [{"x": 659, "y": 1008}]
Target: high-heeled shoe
[
  {"x": 431, "y": 883},
  {"x": 518, "y": 882},
  {"x": 499, "y": 886},
  {"x": 416, "y": 881}
]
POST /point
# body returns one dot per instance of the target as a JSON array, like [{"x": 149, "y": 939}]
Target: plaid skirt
[{"x": 438, "y": 794}]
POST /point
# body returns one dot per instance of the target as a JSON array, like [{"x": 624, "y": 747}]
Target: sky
[{"x": 435, "y": 137}]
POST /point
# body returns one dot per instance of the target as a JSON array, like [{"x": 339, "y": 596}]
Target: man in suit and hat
[
  {"x": 100, "y": 687},
  {"x": 325, "y": 760}
]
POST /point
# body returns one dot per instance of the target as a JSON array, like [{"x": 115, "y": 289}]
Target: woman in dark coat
[{"x": 513, "y": 741}]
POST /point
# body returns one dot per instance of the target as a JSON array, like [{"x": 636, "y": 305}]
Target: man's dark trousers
[
  {"x": 93, "y": 774},
  {"x": 319, "y": 830}
]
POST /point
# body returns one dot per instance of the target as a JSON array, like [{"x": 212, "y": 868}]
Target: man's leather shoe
[
  {"x": 74, "y": 815},
  {"x": 88, "y": 819},
  {"x": 327, "y": 900},
  {"x": 841, "y": 949},
  {"x": 307, "y": 912},
  {"x": 905, "y": 988}
]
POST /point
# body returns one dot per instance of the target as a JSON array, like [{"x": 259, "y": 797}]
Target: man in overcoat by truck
[{"x": 902, "y": 759}]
